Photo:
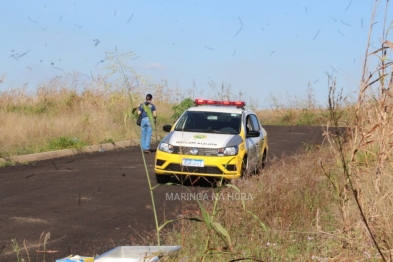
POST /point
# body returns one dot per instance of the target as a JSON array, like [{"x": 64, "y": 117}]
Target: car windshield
[{"x": 209, "y": 122}]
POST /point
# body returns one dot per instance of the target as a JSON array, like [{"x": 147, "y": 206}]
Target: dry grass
[
  {"x": 293, "y": 116},
  {"x": 294, "y": 200},
  {"x": 364, "y": 157},
  {"x": 97, "y": 113},
  {"x": 29, "y": 123}
]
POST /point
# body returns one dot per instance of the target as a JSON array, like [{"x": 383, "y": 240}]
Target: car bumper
[{"x": 227, "y": 167}]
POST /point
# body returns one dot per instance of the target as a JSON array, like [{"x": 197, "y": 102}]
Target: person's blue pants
[{"x": 146, "y": 133}]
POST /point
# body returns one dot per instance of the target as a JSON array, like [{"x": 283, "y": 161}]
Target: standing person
[{"x": 146, "y": 127}]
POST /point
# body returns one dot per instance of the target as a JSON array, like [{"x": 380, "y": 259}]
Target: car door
[
  {"x": 251, "y": 143},
  {"x": 258, "y": 140}
]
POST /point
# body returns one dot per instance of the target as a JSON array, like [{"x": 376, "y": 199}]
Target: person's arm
[
  {"x": 154, "y": 114},
  {"x": 139, "y": 110}
]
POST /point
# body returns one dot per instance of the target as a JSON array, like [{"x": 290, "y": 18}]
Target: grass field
[{"x": 58, "y": 117}]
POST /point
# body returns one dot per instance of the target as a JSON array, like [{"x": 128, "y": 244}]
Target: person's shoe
[{"x": 147, "y": 151}]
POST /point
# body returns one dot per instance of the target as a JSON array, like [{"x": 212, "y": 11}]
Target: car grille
[
  {"x": 201, "y": 151},
  {"x": 193, "y": 169}
]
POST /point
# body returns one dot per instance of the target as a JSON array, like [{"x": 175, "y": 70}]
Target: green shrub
[
  {"x": 179, "y": 109},
  {"x": 65, "y": 143}
]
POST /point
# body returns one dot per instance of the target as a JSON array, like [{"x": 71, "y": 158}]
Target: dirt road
[{"x": 91, "y": 203}]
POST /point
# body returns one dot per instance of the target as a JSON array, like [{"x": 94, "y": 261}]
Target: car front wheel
[{"x": 245, "y": 170}]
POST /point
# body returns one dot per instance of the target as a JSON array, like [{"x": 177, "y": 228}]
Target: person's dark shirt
[{"x": 152, "y": 108}]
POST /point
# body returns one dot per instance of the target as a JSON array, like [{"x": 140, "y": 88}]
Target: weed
[
  {"x": 37, "y": 109},
  {"x": 42, "y": 241},
  {"x": 306, "y": 118},
  {"x": 15, "y": 248},
  {"x": 288, "y": 118},
  {"x": 85, "y": 119},
  {"x": 120, "y": 67},
  {"x": 6, "y": 163},
  {"x": 65, "y": 143},
  {"x": 107, "y": 140}
]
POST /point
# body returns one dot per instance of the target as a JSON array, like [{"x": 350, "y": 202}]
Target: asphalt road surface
[{"x": 91, "y": 203}]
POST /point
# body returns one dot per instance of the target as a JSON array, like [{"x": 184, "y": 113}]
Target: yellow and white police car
[{"x": 216, "y": 139}]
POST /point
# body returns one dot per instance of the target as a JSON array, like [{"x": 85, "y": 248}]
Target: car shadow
[{"x": 196, "y": 181}]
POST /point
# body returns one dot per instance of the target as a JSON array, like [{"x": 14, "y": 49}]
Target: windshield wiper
[
  {"x": 187, "y": 130},
  {"x": 219, "y": 132},
  {"x": 203, "y": 131}
]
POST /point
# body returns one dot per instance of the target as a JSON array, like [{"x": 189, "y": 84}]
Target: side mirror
[
  {"x": 167, "y": 128},
  {"x": 253, "y": 133}
]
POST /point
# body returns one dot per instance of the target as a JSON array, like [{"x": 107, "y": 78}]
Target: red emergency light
[{"x": 199, "y": 102}]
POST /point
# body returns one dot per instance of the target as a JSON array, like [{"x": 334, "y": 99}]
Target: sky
[{"x": 262, "y": 48}]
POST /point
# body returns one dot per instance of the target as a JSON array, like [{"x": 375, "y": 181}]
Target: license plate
[{"x": 193, "y": 162}]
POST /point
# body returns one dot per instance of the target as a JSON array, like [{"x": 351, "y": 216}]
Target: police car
[{"x": 216, "y": 139}]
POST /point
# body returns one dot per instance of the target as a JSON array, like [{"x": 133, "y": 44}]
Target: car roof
[{"x": 221, "y": 109}]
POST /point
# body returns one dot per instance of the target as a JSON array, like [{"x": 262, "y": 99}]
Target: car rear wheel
[
  {"x": 162, "y": 179},
  {"x": 264, "y": 159},
  {"x": 261, "y": 164}
]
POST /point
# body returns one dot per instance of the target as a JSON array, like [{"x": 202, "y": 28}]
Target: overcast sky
[{"x": 263, "y": 47}]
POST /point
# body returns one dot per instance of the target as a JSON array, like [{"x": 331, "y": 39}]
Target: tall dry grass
[
  {"x": 89, "y": 112},
  {"x": 96, "y": 113},
  {"x": 290, "y": 216},
  {"x": 99, "y": 111},
  {"x": 364, "y": 154},
  {"x": 299, "y": 110}
]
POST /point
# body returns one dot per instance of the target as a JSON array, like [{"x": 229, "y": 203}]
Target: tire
[
  {"x": 264, "y": 159},
  {"x": 258, "y": 168},
  {"x": 244, "y": 170},
  {"x": 163, "y": 179},
  {"x": 261, "y": 164}
]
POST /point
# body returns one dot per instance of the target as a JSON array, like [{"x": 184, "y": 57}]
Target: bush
[{"x": 179, "y": 109}]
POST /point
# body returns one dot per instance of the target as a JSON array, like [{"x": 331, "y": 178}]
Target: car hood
[{"x": 202, "y": 140}]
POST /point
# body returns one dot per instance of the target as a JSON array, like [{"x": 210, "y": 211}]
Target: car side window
[
  {"x": 255, "y": 123},
  {"x": 249, "y": 125},
  {"x": 182, "y": 121}
]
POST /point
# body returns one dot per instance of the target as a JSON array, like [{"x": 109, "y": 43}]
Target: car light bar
[{"x": 220, "y": 103}]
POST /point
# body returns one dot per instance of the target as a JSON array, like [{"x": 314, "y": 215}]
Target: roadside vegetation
[
  {"x": 331, "y": 202},
  {"x": 58, "y": 116},
  {"x": 288, "y": 213}
]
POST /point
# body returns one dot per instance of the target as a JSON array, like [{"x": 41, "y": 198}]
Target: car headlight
[
  {"x": 228, "y": 151},
  {"x": 163, "y": 146}
]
